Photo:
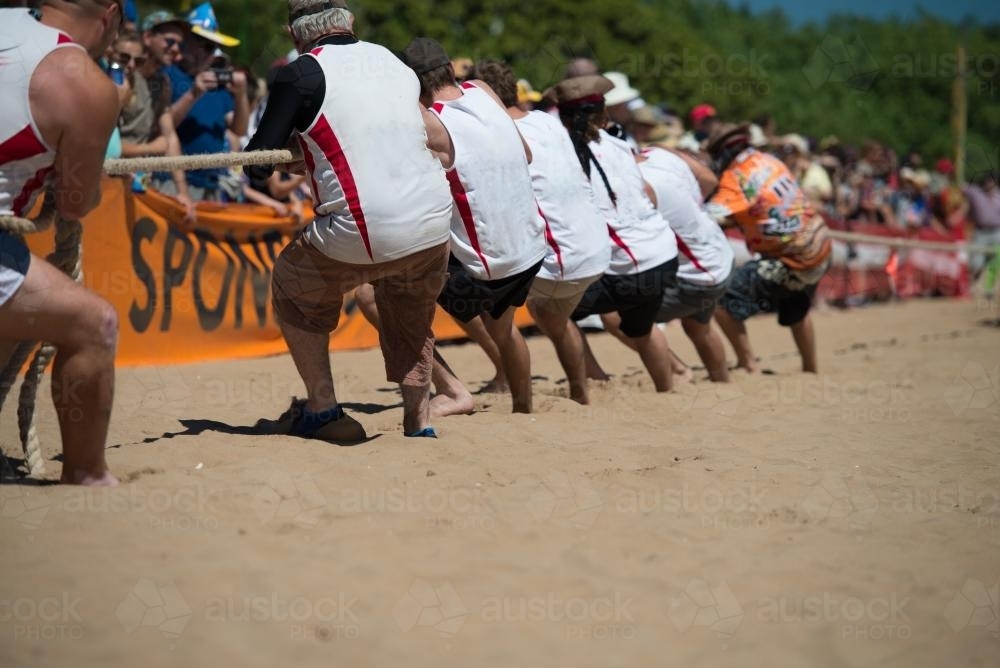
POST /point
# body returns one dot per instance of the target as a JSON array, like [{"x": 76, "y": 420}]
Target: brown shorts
[{"x": 308, "y": 291}]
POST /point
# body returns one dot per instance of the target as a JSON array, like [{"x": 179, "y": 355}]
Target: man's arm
[
  {"x": 438, "y": 138},
  {"x": 204, "y": 82},
  {"x": 240, "y": 119},
  {"x": 292, "y": 104},
  {"x": 707, "y": 180},
  {"x": 66, "y": 82}
]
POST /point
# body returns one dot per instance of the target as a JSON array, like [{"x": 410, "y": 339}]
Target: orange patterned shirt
[{"x": 759, "y": 193}]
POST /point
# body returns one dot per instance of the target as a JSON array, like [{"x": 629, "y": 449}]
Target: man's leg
[
  {"x": 476, "y": 330},
  {"x": 710, "y": 348},
  {"x": 84, "y": 327},
  {"x": 364, "y": 297},
  {"x": 736, "y": 331},
  {"x": 307, "y": 295},
  {"x": 451, "y": 396},
  {"x": 594, "y": 369},
  {"x": 406, "y": 304},
  {"x": 514, "y": 356},
  {"x": 655, "y": 354},
  {"x": 568, "y": 342},
  {"x": 613, "y": 325},
  {"x": 805, "y": 340},
  {"x": 311, "y": 354}
]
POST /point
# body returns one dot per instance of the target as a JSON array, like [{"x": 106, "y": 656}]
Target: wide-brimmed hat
[
  {"x": 728, "y": 134},
  {"x": 204, "y": 24},
  {"x": 424, "y": 54},
  {"x": 590, "y": 87},
  {"x": 621, "y": 92}
]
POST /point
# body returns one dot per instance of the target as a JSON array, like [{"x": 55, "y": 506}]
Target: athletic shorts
[
  {"x": 14, "y": 261},
  {"x": 560, "y": 296},
  {"x": 769, "y": 286},
  {"x": 308, "y": 291},
  {"x": 635, "y": 297},
  {"x": 464, "y": 296},
  {"x": 684, "y": 299}
]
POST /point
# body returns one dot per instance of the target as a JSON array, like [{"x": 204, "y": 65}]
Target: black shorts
[
  {"x": 14, "y": 262},
  {"x": 768, "y": 286},
  {"x": 636, "y": 298},
  {"x": 464, "y": 296}
]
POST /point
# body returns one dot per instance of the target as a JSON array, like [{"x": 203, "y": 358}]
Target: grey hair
[{"x": 311, "y": 27}]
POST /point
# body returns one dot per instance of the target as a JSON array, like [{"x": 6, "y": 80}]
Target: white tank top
[
  {"x": 705, "y": 258},
  {"x": 496, "y": 229},
  {"x": 576, "y": 233},
  {"x": 640, "y": 237},
  {"x": 380, "y": 193},
  {"x": 25, "y": 159}
]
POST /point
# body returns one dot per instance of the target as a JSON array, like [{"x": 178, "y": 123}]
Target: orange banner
[{"x": 199, "y": 295}]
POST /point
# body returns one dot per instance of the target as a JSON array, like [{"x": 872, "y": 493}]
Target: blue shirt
[{"x": 204, "y": 128}]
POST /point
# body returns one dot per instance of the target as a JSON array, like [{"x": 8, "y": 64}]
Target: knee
[{"x": 97, "y": 326}]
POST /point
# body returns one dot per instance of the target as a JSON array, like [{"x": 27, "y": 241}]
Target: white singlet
[
  {"x": 576, "y": 233},
  {"x": 496, "y": 229},
  {"x": 640, "y": 237},
  {"x": 705, "y": 258},
  {"x": 380, "y": 193}
]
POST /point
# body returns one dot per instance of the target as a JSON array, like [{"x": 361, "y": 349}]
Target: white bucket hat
[{"x": 622, "y": 92}]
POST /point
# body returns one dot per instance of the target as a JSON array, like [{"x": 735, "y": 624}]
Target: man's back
[
  {"x": 761, "y": 195},
  {"x": 578, "y": 234},
  {"x": 641, "y": 239},
  {"x": 380, "y": 194},
  {"x": 496, "y": 229},
  {"x": 705, "y": 257}
]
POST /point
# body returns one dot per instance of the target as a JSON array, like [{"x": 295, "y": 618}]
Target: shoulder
[{"x": 69, "y": 76}]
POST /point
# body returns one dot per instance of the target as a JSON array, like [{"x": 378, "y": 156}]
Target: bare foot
[
  {"x": 85, "y": 479},
  {"x": 685, "y": 376},
  {"x": 598, "y": 374},
  {"x": 495, "y": 386},
  {"x": 443, "y": 405}
]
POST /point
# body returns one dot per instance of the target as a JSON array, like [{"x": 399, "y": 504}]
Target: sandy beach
[{"x": 846, "y": 519}]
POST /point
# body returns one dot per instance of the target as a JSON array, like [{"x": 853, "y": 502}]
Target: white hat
[
  {"x": 797, "y": 142},
  {"x": 622, "y": 92},
  {"x": 757, "y": 136}
]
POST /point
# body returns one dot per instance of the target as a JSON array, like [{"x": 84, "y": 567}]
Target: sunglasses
[
  {"x": 171, "y": 42},
  {"x": 125, "y": 59}
]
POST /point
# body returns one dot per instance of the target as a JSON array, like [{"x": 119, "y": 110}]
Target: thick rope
[
  {"x": 66, "y": 257},
  {"x": 122, "y": 166},
  {"x": 854, "y": 237}
]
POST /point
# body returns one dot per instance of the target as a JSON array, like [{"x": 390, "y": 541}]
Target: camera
[{"x": 223, "y": 75}]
